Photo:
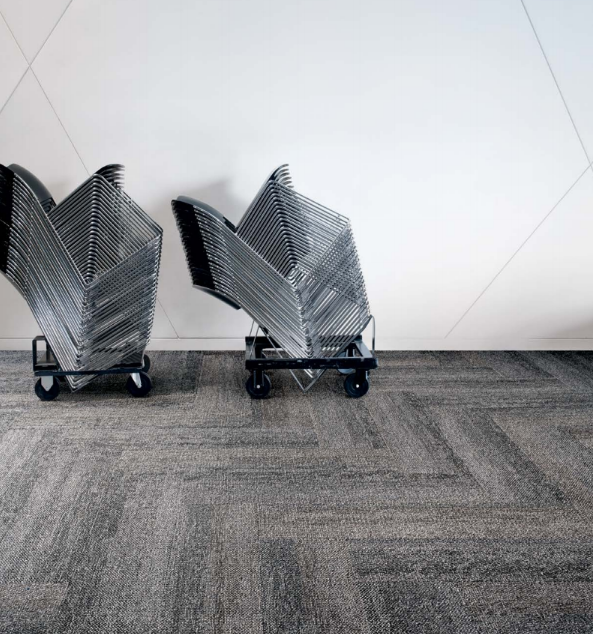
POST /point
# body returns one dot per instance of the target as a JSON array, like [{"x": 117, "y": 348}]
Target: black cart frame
[
  {"x": 139, "y": 383},
  {"x": 356, "y": 361}
]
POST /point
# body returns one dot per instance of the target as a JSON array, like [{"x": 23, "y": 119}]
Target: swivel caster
[
  {"x": 356, "y": 384},
  {"x": 139, "y": 387},
  {"x": 259, "y": 388},
  {"x": 47, "y": 394}
]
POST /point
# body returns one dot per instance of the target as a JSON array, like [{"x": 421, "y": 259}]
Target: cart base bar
[
  {"x": 50, "y": 367},
  {"x": 357, "y": 357}
]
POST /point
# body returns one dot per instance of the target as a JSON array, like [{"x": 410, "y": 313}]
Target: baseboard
[
  {"x": 197, "y": 344},
  {"x": 383, "y": 343},
  {"x": 387, "y": 343},
  {"x": 155, "y": 344}
]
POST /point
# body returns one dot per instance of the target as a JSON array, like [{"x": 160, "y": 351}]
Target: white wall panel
[
  {"x": 564, "y": 30},
  {"x": 436, "y": 127},
  {"x": 13, "y": 63},
  {"x": 31, "y": 21},
  {"x": 31, "y": 135},
  {"x": 544, "y": 291}
]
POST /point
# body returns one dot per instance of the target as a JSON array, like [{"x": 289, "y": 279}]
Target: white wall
[{"x": 438, "y": 127}]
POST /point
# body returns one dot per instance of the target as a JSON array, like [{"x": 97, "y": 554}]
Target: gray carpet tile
[{"x": 457, "y": 496}]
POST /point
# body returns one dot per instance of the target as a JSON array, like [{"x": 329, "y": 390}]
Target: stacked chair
[
  {"x": 292, "y": 265},
  {"x": 88, "y": 268}
]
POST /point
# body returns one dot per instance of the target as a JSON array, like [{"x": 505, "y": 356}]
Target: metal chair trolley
[
  {"x": 88, "y": 268},
  {"x": 292, "y": 265}
]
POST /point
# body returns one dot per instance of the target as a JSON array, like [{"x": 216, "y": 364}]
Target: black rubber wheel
[
  {"x": 136, "y": 391},
  {"x": 261, "y": 390},
  {"x": 356, "y": 385},
  {"x": 47, "y": 395},
  {"x": 146, "y": 363}
]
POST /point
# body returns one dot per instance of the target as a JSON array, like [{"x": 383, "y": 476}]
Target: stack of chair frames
[
  {"x": 88, "y": 267},
  {"x": 290, "y": 263}
]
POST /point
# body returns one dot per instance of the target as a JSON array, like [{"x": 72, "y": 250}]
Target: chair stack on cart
[
  {"x": 88, "y": 268},
  {"x": 292, "y": 265}
]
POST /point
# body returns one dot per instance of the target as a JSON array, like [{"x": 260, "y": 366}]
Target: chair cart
[
  {"x": 292, "y": 265},
  {"x": 88, "y": 268}
]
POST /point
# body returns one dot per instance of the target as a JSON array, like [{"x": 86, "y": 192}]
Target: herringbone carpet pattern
[{"x": 456, "y": 497}]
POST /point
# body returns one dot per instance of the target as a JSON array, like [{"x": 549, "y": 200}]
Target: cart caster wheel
[
  {"x": 261, "y": 390},
  {"x": 47, "y": 395},
  {"x": 146, "y": 361},
  {"x": 356, "y": 385},
  {"x": 136, "y": 391}
]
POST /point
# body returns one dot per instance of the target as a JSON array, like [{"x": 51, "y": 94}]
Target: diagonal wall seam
[
  {"x": 589, "y": 168},
  {"x": 541, "y": 222},
  {"x": 13, "y": 91},
  {"x": 24, "y": 59},
  {"x": 50, "y": 33},
  {"x": 60, "y": 121},
  {"x": 30, "y": 68},
  {"x": 549, "y": 65}
]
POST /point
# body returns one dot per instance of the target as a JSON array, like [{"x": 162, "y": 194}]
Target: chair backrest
[{"x": 187, "y": 215}]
